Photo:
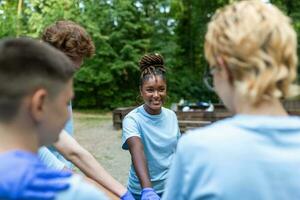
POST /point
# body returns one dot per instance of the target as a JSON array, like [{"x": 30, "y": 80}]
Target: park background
[{"x": 124, "y": 30}]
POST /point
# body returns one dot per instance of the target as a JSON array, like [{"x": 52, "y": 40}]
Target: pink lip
[{"x": 156, "y": 104}]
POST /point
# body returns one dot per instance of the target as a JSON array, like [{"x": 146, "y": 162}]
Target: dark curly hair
[
  {"x": 152, "y": 65},
  {"x": 70, "y": 38}
]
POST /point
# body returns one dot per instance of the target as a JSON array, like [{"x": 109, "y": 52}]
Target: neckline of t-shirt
[{"x": 144, "y": 112}]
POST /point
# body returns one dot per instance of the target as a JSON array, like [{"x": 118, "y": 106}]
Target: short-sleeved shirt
[
  {"x": 29, "y": 162},
  {"x": 243, "y": 157},
  {"x": 159, "y": 135}
]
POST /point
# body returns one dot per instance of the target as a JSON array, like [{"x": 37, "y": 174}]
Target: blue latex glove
[
  {"x": 23, "y": 176},
  {"x": 149, "y": 194},
  {"x": 127, "y": 196}
]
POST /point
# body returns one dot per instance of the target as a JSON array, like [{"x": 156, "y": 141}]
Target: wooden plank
[
  {"x": 193, "y": 123},
  {"x": 195, "y": 118}
]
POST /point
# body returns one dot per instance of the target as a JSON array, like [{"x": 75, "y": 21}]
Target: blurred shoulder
[
  {"x": 133, "y": 113},
  {"x": 168, "y": 111},
  {"x": 209, "y": 135}
]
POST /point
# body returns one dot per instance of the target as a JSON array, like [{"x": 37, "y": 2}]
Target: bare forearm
[
  {"x": 111, "y": 195},
  {"x": 92, "y": 169},
  {"x": 142, "y": 170},
  {"x": 87, "y": 163},
  {"x": 139, "y": 161}
]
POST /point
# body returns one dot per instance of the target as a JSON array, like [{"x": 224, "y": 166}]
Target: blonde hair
[{"x": 258, "y": 45}]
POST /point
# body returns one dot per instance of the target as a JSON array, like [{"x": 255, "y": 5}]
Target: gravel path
[{"x": 96, "y": 133}]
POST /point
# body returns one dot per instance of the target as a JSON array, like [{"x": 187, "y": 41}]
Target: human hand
[
  {"x": 24, "y": 177},
  {"x": 127, "y": 196},
  {"x": 45, "y": 185},
  {"x": 149, "y": 194}
]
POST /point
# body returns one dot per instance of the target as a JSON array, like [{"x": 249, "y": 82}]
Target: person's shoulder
[
  {"x": 164, "y": 109},
  {"x": 208, "y": 135},
  {"x": 168, "y": 111},
  {"x": 81, "y": 190},
  {"x": 19, "y": 158},
  {"x": 133, "y": 113},
  {"x": 27, "y": 164}
]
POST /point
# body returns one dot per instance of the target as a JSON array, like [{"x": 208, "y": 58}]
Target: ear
[
  {"x": 140, "y": 87},
  {"x": 38, "y": 104},
  {"x": 224, "y": 69}
]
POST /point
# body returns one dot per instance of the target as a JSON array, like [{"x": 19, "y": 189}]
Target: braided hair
[{"x": 151, "y": 65}]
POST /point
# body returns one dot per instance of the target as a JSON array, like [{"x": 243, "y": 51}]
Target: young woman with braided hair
[{"x": 150, "y": 132}]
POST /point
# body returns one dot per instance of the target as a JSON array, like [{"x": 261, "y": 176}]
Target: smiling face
[{"x": 154, "y": 91}]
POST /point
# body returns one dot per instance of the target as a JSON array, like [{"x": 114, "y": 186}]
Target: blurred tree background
[{"x": 124, "y": 30}]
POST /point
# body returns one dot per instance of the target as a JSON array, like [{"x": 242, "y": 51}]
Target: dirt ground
[{"x": 95, "y": 132}]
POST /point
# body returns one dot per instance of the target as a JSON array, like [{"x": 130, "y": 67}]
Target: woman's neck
[{"x": 151, "y": 111}]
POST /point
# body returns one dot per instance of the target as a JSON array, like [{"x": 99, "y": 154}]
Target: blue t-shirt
[
  {"x": 243, "y": 157},
  {"x": 69, "y": 128},
  {"x": 159, "y": 135},
  {"x": 25, "y": 166}
]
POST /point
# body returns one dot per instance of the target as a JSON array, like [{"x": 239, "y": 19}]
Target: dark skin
[
  {"x": 139, "y": 161},
  {"x": 153, "y": 92}
]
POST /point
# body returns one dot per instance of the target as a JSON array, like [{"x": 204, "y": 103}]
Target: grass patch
[{"x": 91, "y": 116}]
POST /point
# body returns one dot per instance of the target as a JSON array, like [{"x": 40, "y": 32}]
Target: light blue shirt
[
  {"x": 159, "y": 135},
  {"x": 69, "y": 127},
  {"x": 80, "y": 190},
  {"x": 49, "y": 159},
  {"x": 70, "y": 130},
  {"x": 244, "y": 157}
]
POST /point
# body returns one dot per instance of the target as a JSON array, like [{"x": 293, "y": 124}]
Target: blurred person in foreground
[
  {"x": 35, "y": 90},
  {"x": 74, "y": 41},
  {"x": 251, "y": 49}
]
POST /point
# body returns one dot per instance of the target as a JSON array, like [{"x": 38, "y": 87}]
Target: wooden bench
[
  {"x": 198, "y": 118},
  {"x": 118, "y": 116},
  {"x": 186, "y": 120}
]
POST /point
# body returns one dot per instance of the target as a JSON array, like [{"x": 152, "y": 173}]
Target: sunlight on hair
[{"x": 258, "y": 44}]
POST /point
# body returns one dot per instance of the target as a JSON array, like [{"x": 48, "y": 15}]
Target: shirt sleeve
[
  {"x": 80, "y": 189},
  {"x": 175, "y": 181},
  {"x": 176, "y": 121},
  {"x": 49, "y": 159},
  {"x": 130, "y": 129}
]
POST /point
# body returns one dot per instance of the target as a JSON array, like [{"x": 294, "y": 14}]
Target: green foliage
[{"x": 124, "y": 30}]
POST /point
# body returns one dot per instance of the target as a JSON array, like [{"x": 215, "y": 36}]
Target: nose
[{"x": 155, "y": 93}]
